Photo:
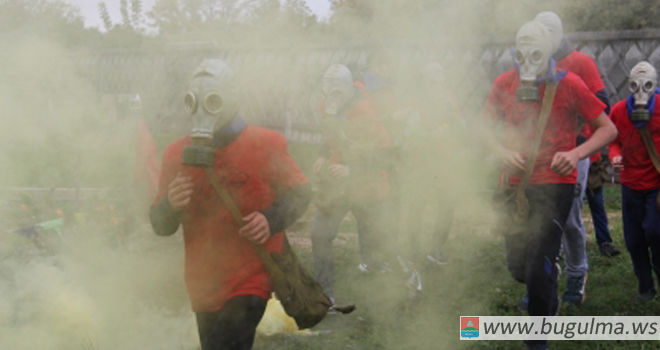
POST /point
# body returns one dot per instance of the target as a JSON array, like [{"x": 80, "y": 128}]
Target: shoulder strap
[
  {"x": 546, "y": 107},
  {"x": 650, "y": 147},
  {"x": 266, "y": 259}
]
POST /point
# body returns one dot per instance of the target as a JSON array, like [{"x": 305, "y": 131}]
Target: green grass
[{"x": 476, "y": 282}]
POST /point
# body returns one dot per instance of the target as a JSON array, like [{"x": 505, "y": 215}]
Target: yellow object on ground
[{"x": 276, "y": 321}]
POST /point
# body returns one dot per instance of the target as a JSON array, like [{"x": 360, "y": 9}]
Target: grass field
[
  {"x": 124, "y": 278},
  {"x": 475, "y": 282}
]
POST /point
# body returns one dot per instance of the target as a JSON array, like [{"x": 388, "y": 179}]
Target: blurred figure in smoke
[
  {"x": 515, "y": 100},
  {"x": 632, "y": 153},
  {"x": 351, "y": 168},
  {"x": 227, "y": 283},
  {"x": 429, "y": 165},
  {"x": 575, "y": 237}
]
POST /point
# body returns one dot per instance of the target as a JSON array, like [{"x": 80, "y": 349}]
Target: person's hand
[
  {"x": 339, "y": 170},
  {"x": 318, "y": 165},
  {"x": 564, "y": 163},
  {"x": 256, "y": 228},
  {"x": 180, "y": 191},
  {"x": 617, "y": 164},
  {"x": 513, "y": 161}
]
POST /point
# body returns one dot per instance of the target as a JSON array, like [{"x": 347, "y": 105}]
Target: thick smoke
[{"x": 102, "y": 280}]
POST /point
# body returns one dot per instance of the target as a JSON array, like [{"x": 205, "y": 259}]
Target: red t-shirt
[
  {"x": 585, "y": 67},
  {"x": 219, "y": 264},
  {"x": 638, "y": 171},
  {"x": 362, "y": 136},
  {"x": 572, "y": 98}
]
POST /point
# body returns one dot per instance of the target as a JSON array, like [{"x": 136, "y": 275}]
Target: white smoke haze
[{"x": 105, "y": 281}]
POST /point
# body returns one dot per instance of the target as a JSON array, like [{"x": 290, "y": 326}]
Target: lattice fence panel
[{"x": 289, "y": 101}]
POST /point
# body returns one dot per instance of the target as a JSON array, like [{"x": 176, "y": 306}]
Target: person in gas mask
[
  {"x": 226, "y": 281},
  {"x": 575, "y": 237},
  {"x": 640, "y": 179},
  {"x": 351, "y": 169},
  {"x": 545, "y": 179}
]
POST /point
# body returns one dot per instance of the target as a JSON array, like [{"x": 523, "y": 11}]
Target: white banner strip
[{"x": 559, "y": 328}]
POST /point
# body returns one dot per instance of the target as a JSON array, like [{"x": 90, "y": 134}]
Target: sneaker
[
  {"x": 523, "y": 303},
  {"x": 331, "y": 309},
  {"x": 375, "y": 267},
  {"x": 647, "y": 296},
  {"x": 364, "y": 267},
  {"x": 575, "y": 290},
  {"x": 607, "y": 249},
  {"x": 437, "y": 258}
]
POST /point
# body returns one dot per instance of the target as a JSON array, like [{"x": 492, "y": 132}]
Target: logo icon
[{"x": 469, "y": 327}]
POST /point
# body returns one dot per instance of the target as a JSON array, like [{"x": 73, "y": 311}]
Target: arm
[
  {"x": 564, "y": 163},
  {"x": 164, "y": 219},
  {"x": 604, "y": 133},
  {"x": 292, "y": 196},
  {"x": 174, "y": 193},
  {"x": 512, "y": 160},
  {"x": 287, "y": 208},
  {"x": 615, "y": 153}
]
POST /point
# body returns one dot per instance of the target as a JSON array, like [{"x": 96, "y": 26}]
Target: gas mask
[
  {"x": 642, "y": 84},
  {"x": 532, "y": 57},
  {"x": 212, "y": 103},
  {"x": 553, "y": 25},
  {"x": 338, "y": 89}
]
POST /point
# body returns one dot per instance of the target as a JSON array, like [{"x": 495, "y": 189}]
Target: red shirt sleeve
[{"x": 283, "y": 172}]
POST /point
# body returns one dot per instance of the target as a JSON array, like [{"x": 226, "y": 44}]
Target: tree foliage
[
  {"x": 44, "y": 19},
  {"x": 597, "y": 15}
]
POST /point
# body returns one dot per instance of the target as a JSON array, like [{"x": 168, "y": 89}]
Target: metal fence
[{"x": 290, "y": 102}]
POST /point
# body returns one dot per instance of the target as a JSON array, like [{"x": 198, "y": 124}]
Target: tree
[{"x": 45, "y": 19}]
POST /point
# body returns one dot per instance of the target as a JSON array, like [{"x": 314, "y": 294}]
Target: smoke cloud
[{"x": 100, "y": 279}]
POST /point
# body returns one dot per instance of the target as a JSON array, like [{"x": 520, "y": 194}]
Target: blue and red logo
[{"x": 469, "y": 326}]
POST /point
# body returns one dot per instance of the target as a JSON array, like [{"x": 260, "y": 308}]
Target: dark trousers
[
  {"x": 324, "y": 230},
  {"x": 599, "y": 215},
  {"x": 641, "y": 231},
  {"x": 533, "y": 248},
  {"x": 233, "y": 327},
  {"x": 410, "y": 237}
]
